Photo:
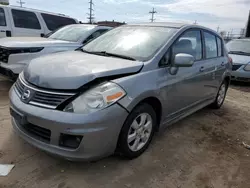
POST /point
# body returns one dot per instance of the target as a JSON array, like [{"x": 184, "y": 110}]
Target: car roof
[
  {"x": 243, "y": 39},
  {"x": 161, "y": 24},
  {"x": 89, "y": 25}
]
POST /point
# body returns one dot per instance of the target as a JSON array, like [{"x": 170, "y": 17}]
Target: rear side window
[
  {"x": 55, "y": 22},
  {"x": 219, "y": 44},
  {"x": 25, "y": 19},
  {"x": 2, "y": 18},
  {"x": 189, "y": 43},
  {"x": 210, "y": 45}
]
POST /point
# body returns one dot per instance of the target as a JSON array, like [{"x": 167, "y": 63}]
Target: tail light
[{"x": 230, "y": 60}]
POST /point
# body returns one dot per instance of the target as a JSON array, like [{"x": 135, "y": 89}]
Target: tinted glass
[
  {"x": 219, "y": 43},
  {"x": 210, "y": 45},
  {"x": 2, "y": 18},
  {"x": 25, "y": 19},
  {"x": 55, "y": 22},
  {"x": 189, "y": 43},
  {"x": 239, "y": 46},
  {"x": 138, "y": 42},
  {"x": 71, "y": 33}
]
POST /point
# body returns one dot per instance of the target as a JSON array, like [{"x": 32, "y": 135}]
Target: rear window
[
  {"x": 25, "y": 19},
  {"x": 55, "y": 22},
  {"x": 2, "y": 18}
]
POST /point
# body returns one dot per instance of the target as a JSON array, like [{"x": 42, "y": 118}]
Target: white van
[{"x": 17, "y": 21}]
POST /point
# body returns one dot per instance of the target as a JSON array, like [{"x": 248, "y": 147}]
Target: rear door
[
  {"x": 214, "y": 64},
  {"x": 4, "y": 24},
  {"x": 26, "y": 23}
]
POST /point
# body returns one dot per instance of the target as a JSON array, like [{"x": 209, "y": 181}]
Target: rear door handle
[{"x": 202, "y": 69}]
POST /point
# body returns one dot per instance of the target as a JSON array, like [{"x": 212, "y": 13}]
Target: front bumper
[
  {"x": 100, "y": 130},
  {"x": 241, "y": 75},
  {"x": 8, "y": 73},
  {"x": 16, "y": 68}
]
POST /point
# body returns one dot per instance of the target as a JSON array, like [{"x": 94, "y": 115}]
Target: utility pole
[
  {"x": 21, "y": 3},
  {"x": 91, "y": 15},
  {"x": 153, "y": 13},
  {"x": 218, "y": 29}
]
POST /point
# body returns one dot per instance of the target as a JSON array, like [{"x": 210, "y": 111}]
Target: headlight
[
  {"x": 247, "y": 67},
  {"x": 96, "y": 98}
]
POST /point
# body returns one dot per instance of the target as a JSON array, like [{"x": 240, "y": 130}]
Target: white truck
[{"x": 22, "y": 22}]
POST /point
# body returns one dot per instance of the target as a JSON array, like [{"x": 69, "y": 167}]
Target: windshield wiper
[
  {"x": 238, "y": 52},
  {"x": 104, "y": 53}
]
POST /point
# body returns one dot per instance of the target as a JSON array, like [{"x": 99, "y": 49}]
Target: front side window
[
  {"x": 25, "y": 19},
  {"x": 189, "y": 43},
  {"x": 210, "y": 45},
  {"x": 54, "y": 22},
  {"x": 138, "y": 42},
  {"x": 2, "y": 17},
  {"x": 72, "y": 33}
]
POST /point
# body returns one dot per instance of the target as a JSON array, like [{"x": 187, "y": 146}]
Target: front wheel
[
  {"x": 220, "y": 98},
  {"x": 137, "y": 131}
]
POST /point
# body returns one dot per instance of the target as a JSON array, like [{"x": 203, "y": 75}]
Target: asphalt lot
[{"x": 202, "y": 151}]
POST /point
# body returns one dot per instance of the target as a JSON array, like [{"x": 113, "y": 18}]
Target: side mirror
[{"x": 183, "y": 60}]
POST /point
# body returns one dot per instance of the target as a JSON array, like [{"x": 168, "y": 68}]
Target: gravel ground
[{"x": 202, "y": 151}]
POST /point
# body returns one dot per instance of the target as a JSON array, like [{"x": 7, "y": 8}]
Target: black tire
[
  {"x": 123, "y": 147},
  {"x": 216, "y": 104}
]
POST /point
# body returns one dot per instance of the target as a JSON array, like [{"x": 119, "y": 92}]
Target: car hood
[
  {"x": 240, "y": 59},
  {"x": 71, "y": 70},
  {"x": 23, "y": 42}
]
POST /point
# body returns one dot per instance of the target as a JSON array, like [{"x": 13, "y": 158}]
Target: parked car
[
  {"x": 118, "y": 90},
  {"x": 239, "y": 50},
  {"x": 16, "y": 52},
  {"x": 23, "y": 22}
]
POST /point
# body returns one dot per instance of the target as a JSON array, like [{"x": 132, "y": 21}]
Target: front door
[
  {"x": 4, "y": 24},
  {"x": 184, "y": 86}
]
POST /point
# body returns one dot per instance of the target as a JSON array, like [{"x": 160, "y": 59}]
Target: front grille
[
  {"x": 52, "y": 100},
  {"x": 4, "y": 55},
  {"x": 19, "y": 87},
  {"x": 236, "y": 67},
  {"x": 39, "y": 97},
  {"x": 39, "y": 133}
]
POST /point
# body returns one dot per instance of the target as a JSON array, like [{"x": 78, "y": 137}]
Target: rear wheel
[
  {"x": 137, "y": 132},
  {"x": 220, "y": 98}
]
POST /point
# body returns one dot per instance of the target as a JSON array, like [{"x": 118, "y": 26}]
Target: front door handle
[{"x": 202, "y": 69}]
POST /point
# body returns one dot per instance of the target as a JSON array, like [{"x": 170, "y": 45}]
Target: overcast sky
[{"x": 227, "y": 14}]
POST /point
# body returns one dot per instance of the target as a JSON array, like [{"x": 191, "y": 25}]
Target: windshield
[
  {"x": 71, "y": 33},
  {"x": 239, "y": 46},
  {"x": 138, "y": 42}
]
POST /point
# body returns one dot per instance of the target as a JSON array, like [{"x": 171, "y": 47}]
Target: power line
[
  {"x": 21, "y": 3},
  {"x": 91, "y": 15},
  {"x": 152, "y": 16}
]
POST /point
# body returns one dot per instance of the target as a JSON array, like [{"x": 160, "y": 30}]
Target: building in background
[
  {"x": 4, "y": 2},
  {"x": 110, "y": 23}
]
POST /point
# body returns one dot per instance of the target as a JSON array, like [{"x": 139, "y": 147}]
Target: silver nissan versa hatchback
[{"x": 118, "y": 90}]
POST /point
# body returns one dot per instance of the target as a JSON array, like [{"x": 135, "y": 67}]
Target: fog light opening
[{"x": 70, "y": 141}]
